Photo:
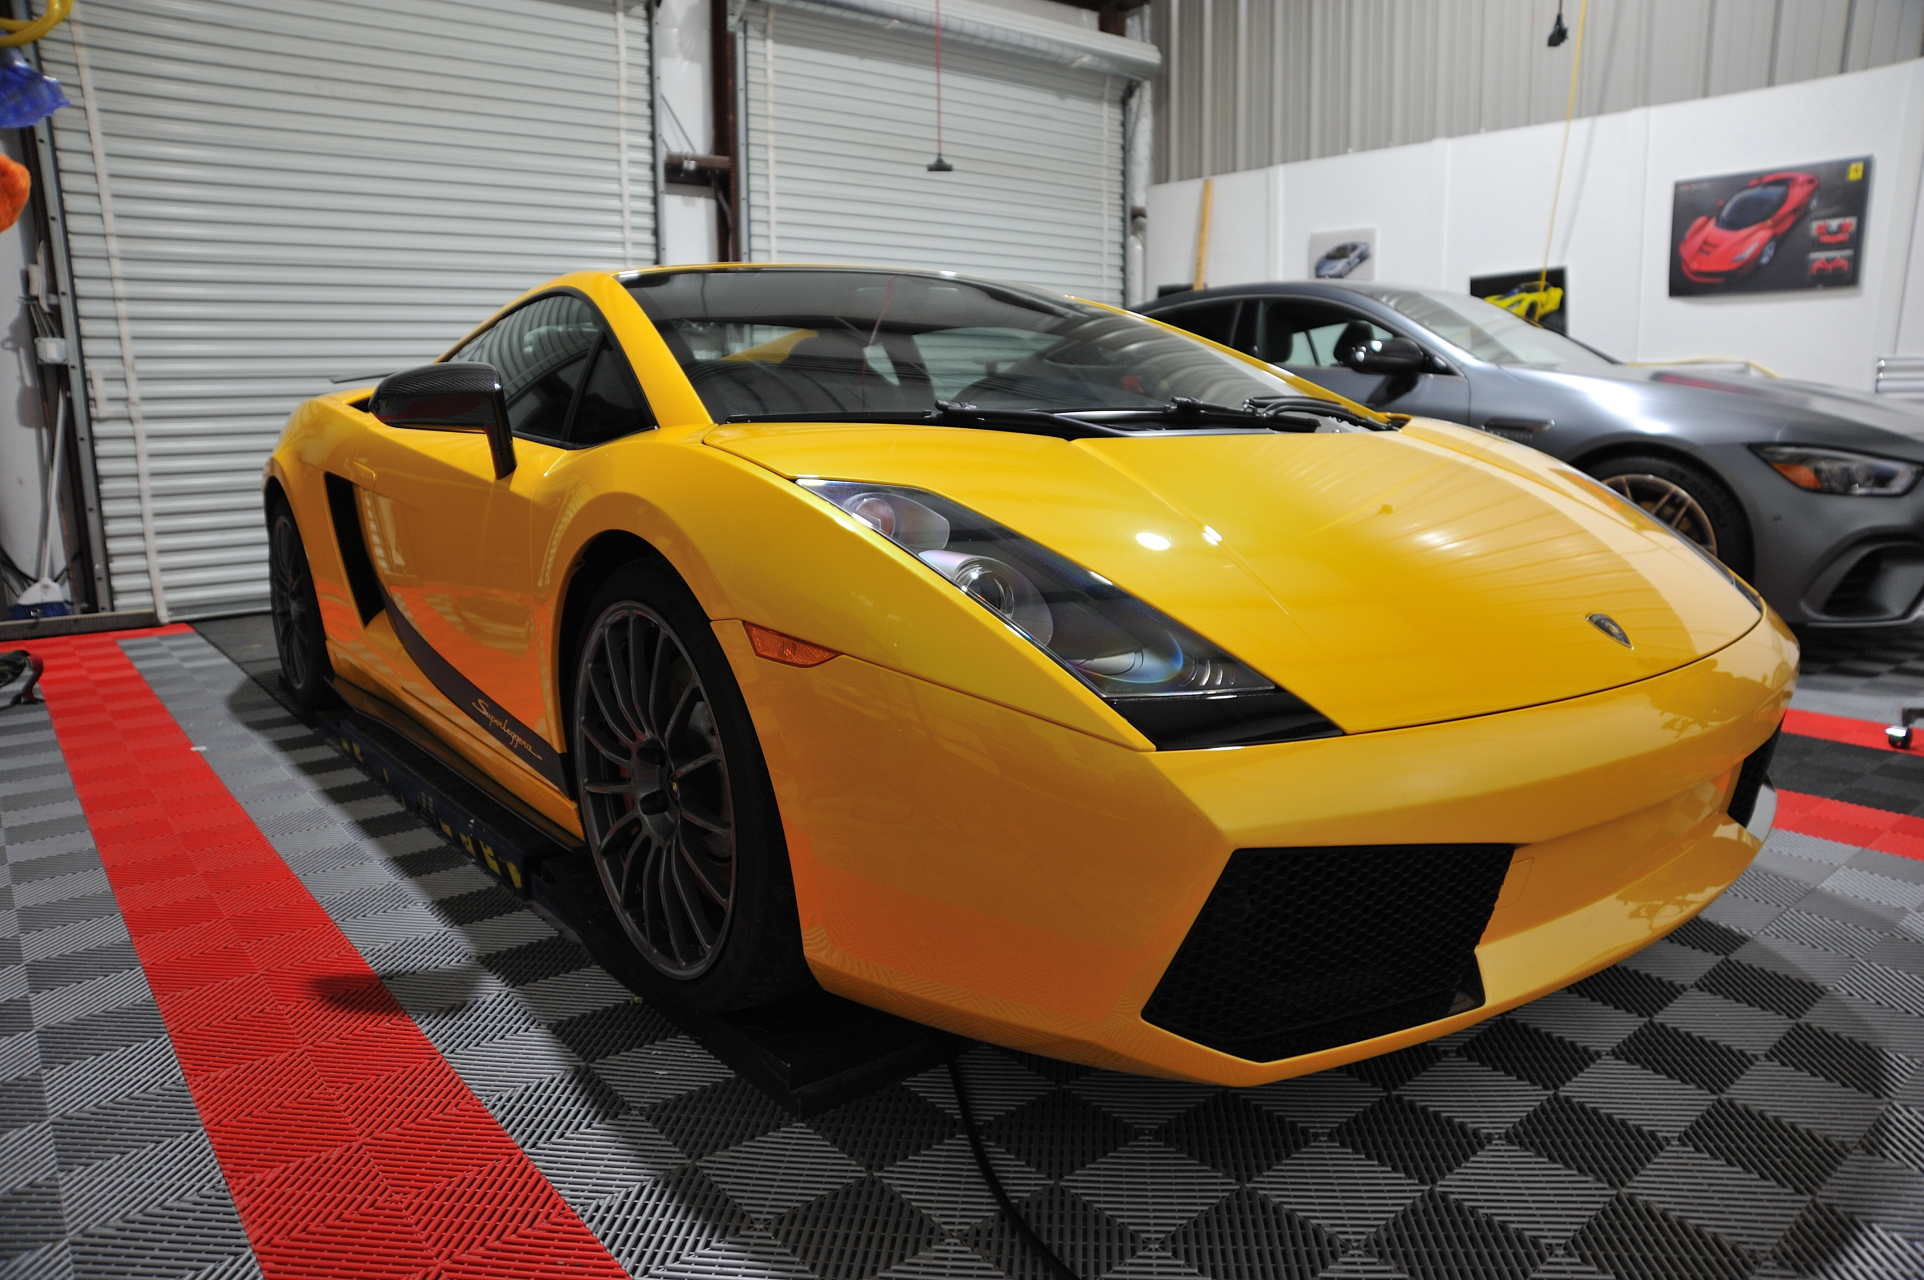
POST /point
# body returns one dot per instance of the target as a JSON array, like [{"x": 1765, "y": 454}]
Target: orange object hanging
[{"x": 15, "y": 186}]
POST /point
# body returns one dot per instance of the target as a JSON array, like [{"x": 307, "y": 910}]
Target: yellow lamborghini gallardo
[{"x": 1030, "y": 668}]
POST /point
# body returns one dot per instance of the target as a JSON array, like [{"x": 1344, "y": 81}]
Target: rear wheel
[
  {"x": 1687, "y": 499},
  {"x": 296, "y": 611},
  {"x": 675, "y": 799}
]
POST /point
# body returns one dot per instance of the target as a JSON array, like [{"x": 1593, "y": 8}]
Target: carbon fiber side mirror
[{"x": 451, "y": 396}]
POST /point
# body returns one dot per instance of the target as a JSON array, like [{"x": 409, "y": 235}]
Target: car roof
[{"x": 1331, "y": 289}]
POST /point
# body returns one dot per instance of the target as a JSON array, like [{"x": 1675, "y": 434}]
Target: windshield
[
  {"x": 763, "y": 342},
  {"x": 1750, "y": 207},
  {"x": 1484, "y": 329}
]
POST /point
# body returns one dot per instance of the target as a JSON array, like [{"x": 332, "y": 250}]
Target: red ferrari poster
[{"x": 1797, "y": 227}]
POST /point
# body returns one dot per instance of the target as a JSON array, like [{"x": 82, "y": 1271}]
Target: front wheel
[
  {"x": 1687, "y": 499},
  {"x": 298, "y": 638},
  {"x": 676, "y": 805},
  {"x": 1769, "y": 252}
]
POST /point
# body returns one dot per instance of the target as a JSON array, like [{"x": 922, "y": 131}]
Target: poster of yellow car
[{"x": 1538, "y": 296}]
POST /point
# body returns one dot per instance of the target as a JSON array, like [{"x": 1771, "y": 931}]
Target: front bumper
[{"x": 978, "y": 869}]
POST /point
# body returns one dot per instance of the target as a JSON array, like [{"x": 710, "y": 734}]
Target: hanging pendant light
[
  {"x": 939, "y": 165},
  {"x": 1558, "y": 32}
]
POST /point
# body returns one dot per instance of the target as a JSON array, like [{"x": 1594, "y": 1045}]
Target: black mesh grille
[{"x": 1297, "y": 950}]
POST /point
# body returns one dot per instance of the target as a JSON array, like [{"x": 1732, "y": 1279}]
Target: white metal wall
[
  {"x": 309, "y": 191},
  {"x": 1249, "y": 83},
  {"x": 840, "y": 126}
]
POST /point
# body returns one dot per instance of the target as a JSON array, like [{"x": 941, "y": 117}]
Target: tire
[
  {"x": 1686, "y": 498},
  {"x": 298, "y": 636},
  {"x": 675, "y": 800},
  {"x": 1769, "y": 251}
]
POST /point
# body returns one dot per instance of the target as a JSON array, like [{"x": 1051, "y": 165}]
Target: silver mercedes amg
[{"x": 1808, "y": 491}]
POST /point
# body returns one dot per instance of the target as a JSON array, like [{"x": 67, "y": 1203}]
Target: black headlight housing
[{"x": 1178, "y": 689}]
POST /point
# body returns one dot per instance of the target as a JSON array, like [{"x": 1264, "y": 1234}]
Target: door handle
[{"x": 362, "y": 474}]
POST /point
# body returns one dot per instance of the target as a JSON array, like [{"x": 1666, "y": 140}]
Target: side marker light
[{"x": 786, "y": 650}]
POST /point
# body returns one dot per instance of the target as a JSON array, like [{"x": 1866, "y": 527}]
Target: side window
[
  {"x": 611, "y": 403},
  {"x": 1215, "y": 321},
  {"x": 1310, "y": 335},
  {"x": 541, "y": 352}
]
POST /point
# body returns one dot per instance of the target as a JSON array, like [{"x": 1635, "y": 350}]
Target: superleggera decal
[{"x": 525, "y": 743}]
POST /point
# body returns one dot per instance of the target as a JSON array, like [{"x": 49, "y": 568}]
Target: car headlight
[
  {"x": 1743, "y": 254},
  {"x": 1176, "y": 687},
  {"x": 1840, "y": 470}
]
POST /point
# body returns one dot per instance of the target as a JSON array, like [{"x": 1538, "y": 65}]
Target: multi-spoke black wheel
[
  {"x": 296, "y": 610},
  {"x": 675, "y": 801},
  {"x": 654, "y": 784},
  {"x": 1687, "y": 499}
]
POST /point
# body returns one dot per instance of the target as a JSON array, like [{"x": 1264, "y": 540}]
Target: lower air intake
[{"x": 1298, "y": 950}]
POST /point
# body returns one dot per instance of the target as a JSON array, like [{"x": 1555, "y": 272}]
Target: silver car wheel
[{"x": 1670, "y": 503}]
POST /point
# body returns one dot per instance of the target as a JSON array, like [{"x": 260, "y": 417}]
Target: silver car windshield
[
  {"x": 779, "y": 342},
  {"x": 1484, "y": 329}
]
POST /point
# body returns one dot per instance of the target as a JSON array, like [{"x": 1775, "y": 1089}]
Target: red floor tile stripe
[
  {"x": 1858, "y": 733},
  {"x": 292, "y": 1047},
  {"x": 1879, "y": 829}
]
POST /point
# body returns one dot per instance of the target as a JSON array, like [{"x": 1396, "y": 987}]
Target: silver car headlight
[
  {"x": 1179, "y": 689},
  {"x": 1840, "y": 470}
]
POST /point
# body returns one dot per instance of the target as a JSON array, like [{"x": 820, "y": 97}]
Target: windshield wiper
[
  {"x": 1319, "y": 407},
  {"x": 1296, "y": 414},
  {"x": 1184, "y": 413},
  {"x": 1034, "y": 422}
]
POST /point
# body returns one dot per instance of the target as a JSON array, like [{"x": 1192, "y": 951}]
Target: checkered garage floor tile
[
  {"x": 105, "y": 1169},
  {"x": 1742, "y": 1099}
]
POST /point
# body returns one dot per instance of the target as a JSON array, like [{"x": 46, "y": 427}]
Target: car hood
[
  {"x": 1389, "y": 579},
  {"x": 1789, "y": 409},
  {"x": 1714, "y": 239}
]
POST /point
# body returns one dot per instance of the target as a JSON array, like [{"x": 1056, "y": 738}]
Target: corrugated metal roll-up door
[
  {"x": 300, "y": 192},
  {"x": 840, "y": 127}
]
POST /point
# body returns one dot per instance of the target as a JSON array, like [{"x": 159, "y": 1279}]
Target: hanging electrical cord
[
  {"x": 621, "y": 135},
  {"x": 44, "y": 597},
  {"x": 1055, "y": 1266},
  {"x": 1569, "y": 113},
  {"x": 939, "y": 165}
]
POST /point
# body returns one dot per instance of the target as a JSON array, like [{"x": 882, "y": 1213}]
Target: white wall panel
[
  {"x": 840, "y": 126},
  {"x": 309, "y": 191},
  {"x": 1830, "y": 334},
  {"x": 1454, "y": 208}
]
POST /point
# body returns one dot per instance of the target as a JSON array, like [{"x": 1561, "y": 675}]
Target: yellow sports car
[
  {"x": 1029, "y": 668},
  {"x": 1527, "y": 302}
]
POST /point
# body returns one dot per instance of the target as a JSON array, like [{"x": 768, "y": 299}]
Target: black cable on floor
[{"x": 1056, "y": 1266}]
